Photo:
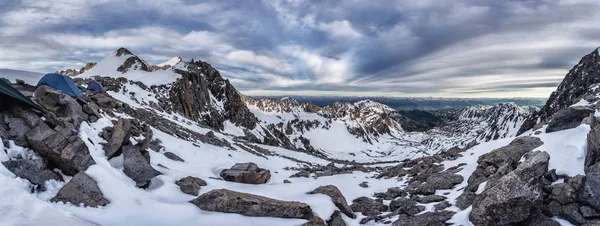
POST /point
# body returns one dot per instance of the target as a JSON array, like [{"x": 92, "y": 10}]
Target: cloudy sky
[{"x": 469, "y": 48}]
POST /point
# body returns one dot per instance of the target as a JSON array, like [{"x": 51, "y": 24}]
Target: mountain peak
[{"x": 123, "y": 51}]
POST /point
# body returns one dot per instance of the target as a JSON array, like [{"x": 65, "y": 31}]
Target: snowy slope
[
  {"x": 29, "y": 77},
  {"x": 171, "y": 62}
]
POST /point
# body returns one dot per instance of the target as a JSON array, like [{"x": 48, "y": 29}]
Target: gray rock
[
  {"x": 589, "y": 212},
  {"x": 568, "y": 118},
  {"x": 429, "y": 198},
  {"x": 227, "y": 201},
  {"x": 137, "y": 167},
  {"x": 513, "y": 197},
  {"x": 405, "y": 206},
  {"x": 590, "y": 194},
  {"x": 190, "y": 185},
  {"x": 540, "y": 220},
  {"x": 34, "y": 170},
  {"x": 442, "y": 205},
  {"x": 247, "y": 173},
  {"x": 368, "y": 206},
  {"x": 569, "y": 212},
  {"x": 391, "y": 193},
  {"x": 563, "y": 193},
  {"x": 442, "y": 180},
  {"x": 17, "y": 128},
  {"x": 173, "y": 156},
  {"x": 336, "y": 219},
  {"x": 593, "y": 143},
  {"x": 364, "y": 184},
  {"x": 119, "y": 137},
  {"x": 314, "y": 221},
  {"x": 426, "y": 219},
  {"x": 81, "y": 189},
  {"x": 336, "y": 197},
  {"x": 302, "y": 173}
]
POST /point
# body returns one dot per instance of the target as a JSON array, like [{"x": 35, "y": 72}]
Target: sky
[{"x": 461, "y": 48}]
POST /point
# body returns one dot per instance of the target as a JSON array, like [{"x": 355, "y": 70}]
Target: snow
[
  {"x": 171, "y": 62},
  {"x": 29, "y": 77},
  {"x": 567, "y": 149}
]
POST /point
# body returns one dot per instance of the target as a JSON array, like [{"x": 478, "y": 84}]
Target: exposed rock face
[
  {"x": 137, "y": 167},
  {"x": 132, "y": 62},
  {"x": 190, "y": 185},
  {"x": 590, "y": 193},
  {"x": 405, "y": 206},
  {"x": 568, "y": 118},
  {"x": 496, "y": 164},
  {"x": 337, "y": 197},
  {"x": 515, "y": 196},
  {"x": 247, "y": 173},
  {"x": 82, "y": 189},
  {"x": 120, "y": 136},
  {"x": 592, "y": 155},
  {"x": 34, "y": 170},
  {"x": 429, "y": 218},
  {"x": 368, "y": 206},
  {"x": 576, "y": 84},
  {"x": 226, "y": 201}
]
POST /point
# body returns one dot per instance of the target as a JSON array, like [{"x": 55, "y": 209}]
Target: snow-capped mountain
[{"x": 179, "y": 145}]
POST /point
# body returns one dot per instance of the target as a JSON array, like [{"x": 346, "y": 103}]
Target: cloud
[{"x": 354, "y": 47}]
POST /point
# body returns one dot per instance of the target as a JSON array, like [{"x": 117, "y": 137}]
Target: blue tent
[
  {"x": 95, "y": 86},
  {"x": 62, "y": 83}
]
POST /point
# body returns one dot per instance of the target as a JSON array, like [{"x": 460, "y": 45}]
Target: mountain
[
  {"x": 179, "y": 145},
  {"x": 27, "y": 76}
]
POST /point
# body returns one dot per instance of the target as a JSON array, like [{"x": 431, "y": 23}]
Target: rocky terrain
[{"x": 177, "y": 144}]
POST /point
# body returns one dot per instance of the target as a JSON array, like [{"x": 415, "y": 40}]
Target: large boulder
[
  {"x": 368, "y": 206},
  {"x": 442, "y": 180},
  {"x": 568, "y": 118},
  {"x": 70, "y": 157},
  {"x": 590, "y": 193},
  {"x": 336, "y": 197},
  {"x": 247, "y": 173},
  {"x": 427, "y": 219},
  {"x": 34, "y": 170},
  {"x": 81, "y": 189},
  {"x": 137, "y": 167},
  {"x": 515, "y": 196},
  {"x": 336, "y": 219},
  {"x": 119, "y": 137},
  {"x": 227, "y": 201},
  {"x": 190, "y": 185},
  {"x": 61, "y": 105},
  {"x": 405, "y": 206},
  {"x": 593, "y": 143}
]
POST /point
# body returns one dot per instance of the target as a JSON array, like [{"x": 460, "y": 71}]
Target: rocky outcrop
[
  {"x": 405, "y": 206},
  {"x": 190, "y": 185},
  {"x": 336, "y": 197},
  {"x": 137, "y": 167},
  {"x": 119, "y": 137},
  {"x": 336, "y": 219},
  {"x": 568, "y": 118},
  {"x": 428, "y": 218},
  {"x": 592, "y": 155},
  {"x": 368, "y": 206},
  {"x": 34, "y": 170},
  {"x": 514, "y": 197},
  {"x": 590, "y": 194},
  {"x": 81, "y": 189},
  {"x": 227, "y": 201},
  {"x": 247, "y": 173}
]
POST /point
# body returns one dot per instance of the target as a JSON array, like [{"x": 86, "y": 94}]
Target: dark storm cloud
[{"x": 474, "y": 47}]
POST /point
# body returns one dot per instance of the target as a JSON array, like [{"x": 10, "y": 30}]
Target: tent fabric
[
  {"x": 95, "y": 86},
  {"x": 7, "y": 89},
  {"x": 62, "y": 83}
]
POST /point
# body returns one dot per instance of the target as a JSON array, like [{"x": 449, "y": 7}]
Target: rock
[
  {"x": 593, "y": 144},
  {"x": 71, "y": 158},
  {"x": 337, "y": 197},
  {"x": 364, "y": 184},
  {"x": 226, "y": 201},
  {"x": 247, "y": 173},
  {"x": 173, "y": 156},
  {"x": 589, "y": 212},
  {"x": 368, "y": 206},
  {"x": 568, "y": 118},
  {"x": 81, "y": 189},
  {"x": 17, "y": 128},
  {"x": 336, "y": 219},
  {"x": 302, "y": 173},
  {"x": 315, "y": 221},
  {"x": 429, "y": 219},
  {"x": 540, "y": 220},
  {"x": 391, "y": 193},
  {"x": 137, "y": 167},
  {"x": 34, "y": 170},
  {"x": 563, "y": 193},
  {"x": 63, "y": 106},
  {"x": 430, "y": 199},
  {"x": 405, "y": 206},
  {"x": 515, "y": 196},
  {"x": 590, "y": 194},
  {"x": 442, "y": 180},
  {"x": 442, "y": 205},
  {"x": 287, "y": 182},
  {"x": 190, "y": 185},
  {"x": 119, "y": 137},
  {"x": 569, "y": 212}
]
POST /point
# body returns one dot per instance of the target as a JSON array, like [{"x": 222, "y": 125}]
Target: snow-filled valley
[{"x": 168, "y": 144}]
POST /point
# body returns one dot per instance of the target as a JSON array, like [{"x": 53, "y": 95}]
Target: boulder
[
  {"x": 405, "y": 206},
  {"x": 190, "y": 185},
  {"x": 119, "y": 137},
  {"x": 70, "y": 157},
  {"x": 173, "y": 156},
  {"x": 81, "y": 189},
  {"x": 227, "y": 201},
  {"x": 368, "y": 206},
  {"x": 540, "y": 220},
  {"x": 315, "y": 221},
  {"x": 442, "y": 205},
  {"x": 302, "y": 173},
  {"x": 590, "y": 194},
  {"x": 429, "y": 198},
  {"x": 34, "y": 170},
  {"x": 429, "y": 219},
  {"x": 391, "y": 193},
  {"x": 137, "y": 167},
  {"x": 568, "y": 118},
  {"x": 442, "y": 180},
  {"x": 247, "y": 173},
  {"x": 515, "y": 196},
  {"x": 593, "y": 143},
  {"x": 337, "y": 197},
  {"x": 17, "y": 128},
  {"x": 336, "y": 219}
]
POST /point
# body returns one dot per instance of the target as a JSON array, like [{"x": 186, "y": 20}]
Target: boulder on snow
[
  {"x": 173, "y": 156},
  {"x": 337, "y": 197},
  {"x": 315, "y": 221},
  {"x": 120, "y": 137},
  {"x": 34, "y": 170},
  {"x": 247, "y": 173},
  {"x": 568, "y": 118},
  {"x": 405, "y": 206},
  {"x": 190, "y": 185},
  {"x": 429, "y": 199},
  {"x": 227, "y": 201},
  {"x": 81, "y": 189},
  {"x": 515, "y": 196},
  {"x": 137, "y": 167},
  {"x": 428, "y": 218},
  {"x": 368, "y": 206},
  {"x": 336, "y": 219},
  {"x": 442, "y": 180},
  {"x": 70, "y": 157}
]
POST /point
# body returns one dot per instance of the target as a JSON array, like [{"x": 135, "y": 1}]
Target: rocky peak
[
  {"x": 122, "y": 51},
  {"x": 281, "y": 105}
]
